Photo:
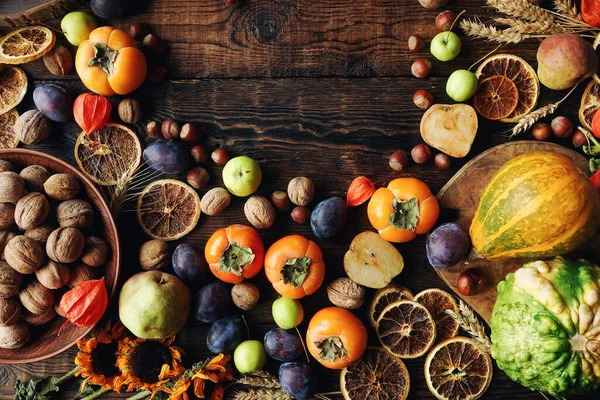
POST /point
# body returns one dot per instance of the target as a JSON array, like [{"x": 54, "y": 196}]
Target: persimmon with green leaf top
[
  {"x": 235, "y": 253},
  {"x": 295, "y": 266}
]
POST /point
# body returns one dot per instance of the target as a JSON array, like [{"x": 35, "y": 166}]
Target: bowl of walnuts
[{"x": 56, "y": 232}]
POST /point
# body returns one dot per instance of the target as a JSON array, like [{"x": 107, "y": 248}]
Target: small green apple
[
  {"x": 77, "y": 26},
  {"x": 242, "y": 176},
  {"x": 249, "y": 356},
  {"x": 461, "y": 85},
  {"x": 445, "y": 46},
  {"x": 287, "y": 313}
]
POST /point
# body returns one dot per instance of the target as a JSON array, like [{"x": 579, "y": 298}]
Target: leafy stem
[{"x": 41, "y": 389}]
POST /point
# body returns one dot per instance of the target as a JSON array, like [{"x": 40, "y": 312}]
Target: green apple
[
  {"x": 249, "y": 356},
  {"x": 445, "y": 46},
  {"x": 242, "y": 176},
  {"x": 461, "y": 85},
  {"x": 77, "y": 26},
  {"x": 287, "y": 313}
]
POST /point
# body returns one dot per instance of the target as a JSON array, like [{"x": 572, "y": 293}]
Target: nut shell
[
  {"x": 31, "y": 210},
  {"x": 65, "y": 245},
  {"x": 5, "y": 237},
  {"x": 40, "y": 233},
  {"x": 215, "y": 201},
  {"x": 10, "y": 311},
  {"x": 345, "y": 293},
  {"x": 130, "y": 110},
  {"x": 59, "y": 61},
  {"x": 36, "y": 298},
  {"x": 11, "y": 187},
  {"x": 24, "y": 254},
  {"x": 82, "y": 273},
  {"x": 10, "y": 280},
  {"x": 259, "y": 212},
  {"x": 35, "y": 176},
  {"x": 245, "y": 295},
  {"x": 6, "y": 166},
  {"x": 75, "y": 213},
  {"x": 32, "y": 127},
  {"x": 301, "y": 191},
  {"x": 153, "y": 254},
  {"x": 14, "y": 336},
  {"x": 39, "y": 319},
  {"x": 95, "y": 252},
  {"x": 62, "y": 186},
  {"x": 7, "y": 215},
  {"x": 53, "y": 275}
]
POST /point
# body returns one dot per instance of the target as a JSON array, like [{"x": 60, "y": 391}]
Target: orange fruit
[
  {"x": 458, "y": 369},
  {"x": 437, "y": 302},
  {"x": 26, "y": 44},
  {"x": 108, "y": 155},
  {"x": 8, "y": 138},
  {"x": 406, "y": 329},
  {"x": 168, "y": 209},
  {"x": 522, "y": 75},
  {"x": 377, "y": 375},
  {"x": 384, "y": 297},
  {"x": 496, "y": 97},
  {"x": 13, "y": 86},
  {"x": 590, "y": 103}
]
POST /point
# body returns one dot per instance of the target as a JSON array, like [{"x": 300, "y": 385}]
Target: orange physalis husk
[
  {"x": 85, "y": 304},
  {"x": 91, "y": 112},
  {"x": 361, "y": 189}
]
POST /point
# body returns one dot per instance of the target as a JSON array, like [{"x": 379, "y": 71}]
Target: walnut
[
  {"x": 57, "y": 306},
  {"x": 32, "y": 127},
  {"x": 14, "y": 336},
  {"x": 215, "y": 201},
  {"x": 259, "y": 212},
  {"x": 245, "y": 295},
  {"x": 344, "y": 292},
  {"x": 7, "y": 215},
  {"x": 5, "y": 237},
  {"x": 53, "y": 275},
  {"x": 31, "y": 210},
  {"x": 10, "y": 280},
  {"x": 75, "y": 214},
  {"x": 130, "y": 111},
  {"x": 35, "y": 176},
  {"x": 40, "y": 233},
  {"x": 81, "y": 273},
  {"x": 59, "y": 61},
  {"x": 153, "y": 254},
  {"x": 24, "y": 254},
  {"x": 39, "y": 319},
  {"x": 5, "y": 166},
  {"x": 65, "y": 245},
  {"x": 95, "y": 252},
  {"x": 10, "y": 311},
  {"x": 301, "y": 191},
  {"x": 11, "y": 187},
  {"x": 62, "y": 186},
  {"x": 36, "y": 298}
]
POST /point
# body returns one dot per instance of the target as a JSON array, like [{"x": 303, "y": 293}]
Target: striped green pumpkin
[{"x": 537, "y": 205}]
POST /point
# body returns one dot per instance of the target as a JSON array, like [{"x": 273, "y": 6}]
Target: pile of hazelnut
[{"x": 45, "y": 247}]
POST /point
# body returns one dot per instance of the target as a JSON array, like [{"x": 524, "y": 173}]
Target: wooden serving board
[
  {"x": 16, "y": 13},
  {"x": 462, "y": 193}
]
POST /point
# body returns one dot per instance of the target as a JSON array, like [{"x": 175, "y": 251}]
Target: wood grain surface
[
  {"x": 16, "y": 13},
  {"x": 306, "y": 87}
]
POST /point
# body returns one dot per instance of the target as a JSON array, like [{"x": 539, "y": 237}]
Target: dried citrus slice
[
  {"x": 13, "y": 86},
  {"x": 168, "y": 209},
  {"x": 109, "y": 154},
  {"x": 8, "y": 138},
  {"x": 26, "y": 44},
  {"x": 377, "y": 375},
  {"x": 522, "y": 75},
  {"x": 496, "y": 97},
  {"x": 437, "y": 302},
  {"x": 384, "y": 297},
  {"x": 406, "y": 329},
  {"x": 458, "y": 369},
  {"x": 590, "y": 103}
]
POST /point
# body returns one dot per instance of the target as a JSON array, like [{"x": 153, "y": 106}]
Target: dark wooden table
[{"x": 306, "y": 87}]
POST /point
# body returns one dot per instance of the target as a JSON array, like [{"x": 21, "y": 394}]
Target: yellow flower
[{"x": 212, "y": 373}]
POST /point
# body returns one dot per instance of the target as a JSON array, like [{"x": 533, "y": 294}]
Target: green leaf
[
  {"x": 594, "y": 164},
  {"x": 87, "y": 390},
  {"x": 405, "y": 215},
  {"x": 591, "y": 150},
  {"x": 104, "y": 58},
  {"x": 331, "y": 348},
  {"x": 295, "y": 270},
  {"x": 36, "y": 390},
  {"x": 235, "y": 257}
]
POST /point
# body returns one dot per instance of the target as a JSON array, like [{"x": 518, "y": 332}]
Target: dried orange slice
[
  {"x": 168, "y": 209},
  {"x": 437, "y": 302},
  {"x": 496, "y": 97},
  {"x": 13, "y": 86},
  {"x": 458, "y": 369},
  {"x": 26, "y": 44},
  {"x": 384, "y": 297},
  {"x": 590, "y": 103},
  {"x": 522, "y": 75},
  {"x": 8, "y": 138},
  {"x": 108, "y": 155},
  {"x": 377, "y": 375},
  {"x": 406, "y": 329}
]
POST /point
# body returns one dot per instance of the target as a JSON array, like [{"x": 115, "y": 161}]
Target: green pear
[
  {"x": 154, "y": 304},
  {"x": 565, "y": 60}
]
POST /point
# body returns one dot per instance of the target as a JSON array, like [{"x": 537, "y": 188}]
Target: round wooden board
[{"x": 462, "y": 193}]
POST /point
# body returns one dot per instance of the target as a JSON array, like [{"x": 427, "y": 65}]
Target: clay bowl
[{"x": 45, "y": 341}]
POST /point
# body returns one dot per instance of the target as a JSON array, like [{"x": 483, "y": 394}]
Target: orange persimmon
[
  {"x": 235, "y": 253},
  {"x": 295, "y": 267},
  {"x": 403, "y": 209}
]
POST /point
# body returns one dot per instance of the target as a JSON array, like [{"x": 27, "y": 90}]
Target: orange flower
[{"x": 217, "y": 371}]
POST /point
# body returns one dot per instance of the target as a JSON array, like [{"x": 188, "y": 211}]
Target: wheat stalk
[
  {"x": 469, "y": 322},
  {"x": 262, "y": 394},
  {"x": 260, "y": 379},
  {"x": 479, "y": 30},
  {"x": 522, "y": 9},
  {"x": 567, "y": 8},
  {"x": 538, "y": 28}
]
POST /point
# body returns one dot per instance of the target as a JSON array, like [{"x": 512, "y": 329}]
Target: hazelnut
[
  {"x": 301, "y": 214},
  {"x": 398, "y": 160},
  {"x": 190, "y": 133},
  {"x": 199, "y": 154},
  {"x": 130, "y": 110},
  {"x": 198, "y": 178},
  {"x": 152, "y": 129},
  {"x": 95, "y": 252},
  {"x": 433, "y": 4},
  {"x": 5, "y": 237},
  {"x": 24, "y": 254},
  {"x": 423, "y": 99},
  {"x": 10, "y": 311},
  {"x": 62, "y": 186},
  {"x": 7, "y": 215},
  {"x": 75, "y": 213},
  {"x": 444, "y": 20},
  {"x": 11, "y": 187},
  {"x": 442, "y": 161},
  {"x": 32, "y": 127},
  {"x": 157, "y": 74},
  {"x": 301, "y": 191},
  {"x": 39, "y": 319},
  {"x": 245, "y": 295},
  {"x": 10, "y": 280},
  {"x": 139, "y": 30},
  {"x": 53, "y": 275},
  {"x": 36, "y": 298},
  {"x": 64, "y": 245},
  {"x": 416, "y": 43},
  {"x": 82, "y": 273},
  {"x": 31, "y": 210},
  {"x": 259, "y": 212},
  {"x": 421, "y": 153},
  {"x": 153, "y": 44},
  {"x": 579, "y": 139},
  {"x": 14, "y": 336},
  {"x": 421, "y": 68},
  {"x": 220, "y": 156},
  {"x": 59, "y": 61},
  {"x": 562, "y": 127},
  {"x": 40, "y": 233},
  {"x": 215, "y": 201},
  {"x": 170, "y": 129},
  {"x": 35, "y": 176},
  {"x": 344, "y": 292},
  {"x": 5, "y": 166},
  {"x": 153, "y": 254},
  {"x": 280, "y": 200},
  {"x": 541, "y": 131}
]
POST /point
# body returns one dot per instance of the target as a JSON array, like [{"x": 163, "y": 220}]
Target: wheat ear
[
  {"x": 522, "y": 9},
  {"x": 567, "y": 8},
  {"x": 478, "y": 29},
  {"x": 261, "y": 379},
  {"x": 469, "y": 322},
  {"x": 262, "y": 394}
]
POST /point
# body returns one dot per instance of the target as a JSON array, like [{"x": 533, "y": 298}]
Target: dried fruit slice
[
  {"x": 496, "y": 97},
  {"x": 458, "y": 369},
  {"x": 26, "y": 44},
  {"x": 8, "y": 138},
  {"x": 590, "y": 103},
  {"x": 437, "y": 302},
  {"x": 168, "y": 209},
  {"x": 522, "y": 75},
  {"x": 406, "y": 329},
  {"x": 384, "y": 297},
  {"x": 109, "y": 154},
  {"x": 377, "y": 375},
  {"x": 13, "y": 86}
]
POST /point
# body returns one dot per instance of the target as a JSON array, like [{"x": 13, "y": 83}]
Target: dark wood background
[{"x": 306, "y": 87}]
